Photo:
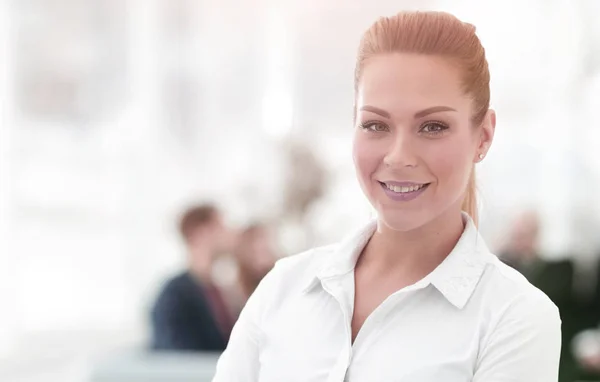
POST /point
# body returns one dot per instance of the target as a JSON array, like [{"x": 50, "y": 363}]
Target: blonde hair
[{"x": 440, "y": 34}]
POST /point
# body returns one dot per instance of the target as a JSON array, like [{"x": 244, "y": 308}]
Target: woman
[
  {"x": 415, "y": 295},
  {"x": 255, "y": 256}
]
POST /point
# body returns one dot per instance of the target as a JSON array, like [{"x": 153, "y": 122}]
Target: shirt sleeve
[
  {"x": 240, "y": 360},
  {"x": 525, "y": 344}
]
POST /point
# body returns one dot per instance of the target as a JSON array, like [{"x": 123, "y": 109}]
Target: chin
[{"x": 403, "y": 221}]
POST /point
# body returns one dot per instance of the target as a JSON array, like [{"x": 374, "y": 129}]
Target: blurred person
[
  {"x": 255, "y": 257},
  {"x": 521, "y": 248},
  {"x": 522, "y": 252},
  {"x": 415, "y": 295},
  {"x": 586, "y": 348},
  {"x": 190, "y": 312}
]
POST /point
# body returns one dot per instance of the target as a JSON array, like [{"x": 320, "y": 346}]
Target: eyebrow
[
  {"x": 431, "y": 110},
  {"x": 419, "y": 114}
]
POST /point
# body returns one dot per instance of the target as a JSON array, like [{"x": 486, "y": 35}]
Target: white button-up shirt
[{"x": 472, "y": 319}]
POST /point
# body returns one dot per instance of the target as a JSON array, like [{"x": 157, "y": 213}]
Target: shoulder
[
  {"x": 182, "y": 279},
  {"x": 288, "y": 278},
  {"x": 514, "y": 299},
  {"x": 309, "y": 260},
  {"x": 507, "y": 282},
  {"x": 522, "y": 335},
  {"x": 176, "y": 287},
  {"x": 303, "y": 267},
  {"x": 292, "y": 274}
]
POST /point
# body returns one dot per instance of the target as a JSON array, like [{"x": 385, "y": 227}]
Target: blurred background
[{"x": 118, "y": 115}]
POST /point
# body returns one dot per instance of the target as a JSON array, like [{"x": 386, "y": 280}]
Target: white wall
[{"x": 8, "y": 328}]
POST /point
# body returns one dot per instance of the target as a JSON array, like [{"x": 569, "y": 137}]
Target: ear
[{"x": 486, "y": 135}]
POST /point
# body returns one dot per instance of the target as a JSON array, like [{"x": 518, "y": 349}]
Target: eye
[
  {"x": 374, "y": 126},
  {"x": 433, "y": 127}
]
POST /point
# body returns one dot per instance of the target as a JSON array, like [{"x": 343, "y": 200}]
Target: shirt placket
[
  {"x": 376, "y": 321},
  {"x": 341, "y": 288}
]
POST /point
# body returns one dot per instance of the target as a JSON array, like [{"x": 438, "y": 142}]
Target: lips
[
  {"x": 403, "y": 187},
  {"x": 403, "y": 191}
]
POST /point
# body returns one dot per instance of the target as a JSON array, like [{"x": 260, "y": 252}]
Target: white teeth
[{"x": 404, "y": 189}]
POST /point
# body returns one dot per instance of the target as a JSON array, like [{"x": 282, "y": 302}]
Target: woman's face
[{"x": 414, "y": 143}]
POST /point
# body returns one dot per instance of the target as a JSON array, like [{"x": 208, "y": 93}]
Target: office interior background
[{"x": 117, "y": 114}]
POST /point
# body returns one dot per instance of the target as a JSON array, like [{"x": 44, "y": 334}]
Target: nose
[{"x": 401, "y": 151}]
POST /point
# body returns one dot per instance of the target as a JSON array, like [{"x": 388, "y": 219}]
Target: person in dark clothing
[{"x": 190, "y": 313}]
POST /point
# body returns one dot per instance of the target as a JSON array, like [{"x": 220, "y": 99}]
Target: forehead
[{"x": 392, "y": 81}]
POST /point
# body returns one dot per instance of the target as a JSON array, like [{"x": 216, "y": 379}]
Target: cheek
[
  {"x": 451, "y": 162},
  {"x": 366, "y": 159}
]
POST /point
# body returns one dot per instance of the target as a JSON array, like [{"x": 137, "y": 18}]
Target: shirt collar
[
  {"x": 342, "y": 257},
  {"x": 456, "y": 277}
]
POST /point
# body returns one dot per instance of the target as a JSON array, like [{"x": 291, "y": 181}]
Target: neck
[{"x": 412, "y": 254}]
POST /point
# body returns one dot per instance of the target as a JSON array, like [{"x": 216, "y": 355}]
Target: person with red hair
[{"x": 415, "y": 294}]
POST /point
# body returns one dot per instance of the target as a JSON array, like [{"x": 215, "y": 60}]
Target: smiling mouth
[{"x": 405, "y": 188}]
